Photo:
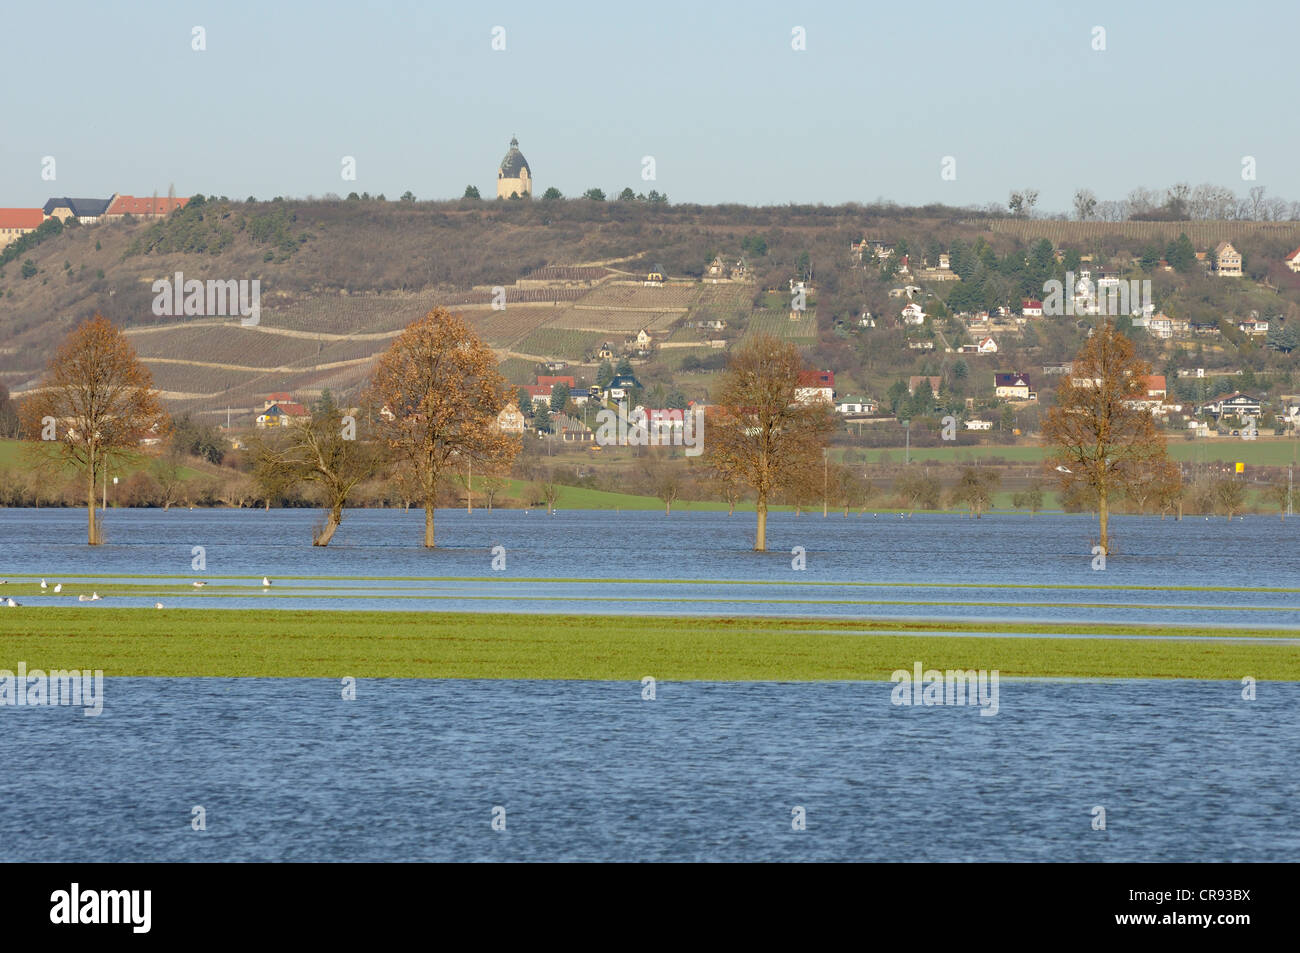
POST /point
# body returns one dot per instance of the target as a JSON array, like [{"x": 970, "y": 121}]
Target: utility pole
[{"x": 907, "y": 450}]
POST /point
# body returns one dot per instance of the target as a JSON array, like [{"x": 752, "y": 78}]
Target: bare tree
[{"x": 1085, "y": 204}]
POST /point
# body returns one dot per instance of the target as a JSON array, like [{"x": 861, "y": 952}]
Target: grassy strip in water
[
  {"x": 29, "y": 583},
  {"x": 200, "y": 642}
]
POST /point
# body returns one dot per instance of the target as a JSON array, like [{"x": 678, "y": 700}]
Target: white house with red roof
[
  {"x": 815, "y": 387},
  {"x": 1031, "y": 308},
  {"x": 1293, "y": 260}
]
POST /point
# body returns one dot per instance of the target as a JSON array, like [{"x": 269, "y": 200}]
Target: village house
[
  {"x": 538, "y": 393},
  {"x": 17, "y": 222},
  {"x": 605, "y": 352},
  {"x": 1031, "y": 308},
  {"x": 1233, "y": 405},
  {"x": 643, "y": 339},
  {"x": 815, "y": 387},
  {"x": 620, "y": 386},
  {"x": 913, "y": 314},
  {"x": 1013, "y": 387},
  {"x": 976, "y": 424},
  {"x": 1253, "y": 327},
  {"x": 1227, "y": 261},
  {"x": 511, "y": 419},
  {"x": 985, "y": 345},
  {"x": 279, "y": 410},
  {"x": 1293, "y": 260},
  {"x": 855, "y": 406}
]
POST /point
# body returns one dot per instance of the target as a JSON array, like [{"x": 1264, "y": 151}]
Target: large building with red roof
[
  {"x": 17, "y": 222},
  {"x": 123, "y": 205}
]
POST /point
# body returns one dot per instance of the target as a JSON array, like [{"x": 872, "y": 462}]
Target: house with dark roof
[
  {"x": 85, "y": 211},
  {"x": 514, "y": 177},
  {"x": 1013, "y": 387},
  {"x": 1232, "y": 405}
]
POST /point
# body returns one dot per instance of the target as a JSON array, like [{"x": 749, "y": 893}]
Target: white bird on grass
[
  {"x": 265, "y": 582},
  {"x": 44, "y": 584},
  {"x": 58, "y": 588},
  {"x": 95, "y": 597},
  {"x": 199, "y": 585},
  {"x": 157, "y": 605},
  {"x": 83, "y": 598},
  {"x": 1064, "y": 470},
  {"x": 11, "y": 604}
]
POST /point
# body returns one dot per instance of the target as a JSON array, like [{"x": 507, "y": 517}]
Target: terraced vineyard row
[
  {"x": 339, "y": 314},
  {"x": 780, "y": 325},
  {"x": 643, "y": 297},
  {"x": 504, "y": 328},
  {"x": 615, "y": 322},
  {"x": 224, "y": 345},
  {"x": 560, "y": 343}
]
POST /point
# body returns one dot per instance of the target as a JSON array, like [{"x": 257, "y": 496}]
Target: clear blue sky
[{"x": 731, "y": 113}]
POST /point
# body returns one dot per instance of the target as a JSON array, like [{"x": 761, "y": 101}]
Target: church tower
[{"x": 514, "y": 177}]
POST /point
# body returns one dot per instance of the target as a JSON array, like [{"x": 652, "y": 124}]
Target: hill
[{"x": 547, "y": 281}]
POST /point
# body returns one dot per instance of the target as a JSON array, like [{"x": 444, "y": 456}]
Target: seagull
[
  {"x": 1064, "y": 470},
  {"x": 83, "y": 598},
  {"x": 157, "y": 605},
  {"x": 44, "y": 584},
  {"x": 95, "y": 597},
  {"x": 11, "y": 604},
  {"x": 265, "y": 582},
  {"x": 199, "y": 585},
  {"x": 58, "y": 588}
]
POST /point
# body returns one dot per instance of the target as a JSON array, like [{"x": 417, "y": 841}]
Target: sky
[{"x": 1015, "y": 93}]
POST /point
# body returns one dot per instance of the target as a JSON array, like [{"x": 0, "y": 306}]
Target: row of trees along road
[{"x": 435, "y": 395}]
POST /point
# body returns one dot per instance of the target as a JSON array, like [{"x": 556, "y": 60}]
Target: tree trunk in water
[
  {"x": 331, "y": 525},
  {"x": 268, "y": 505},
  {"x": 668, "y": 508},
  {"x": 428, "y": 525},
  {"x": 760, "y": 538},
  {"x": 1103, "y": 516},
  {"x": 92, "y": 537},
  {"x": 731, "y": 507}
]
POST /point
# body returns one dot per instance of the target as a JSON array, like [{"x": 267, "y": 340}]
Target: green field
[{"x": 293, "y": 644}]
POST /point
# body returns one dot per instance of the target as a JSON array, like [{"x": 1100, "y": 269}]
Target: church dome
[{"x": 514, "y": 163}]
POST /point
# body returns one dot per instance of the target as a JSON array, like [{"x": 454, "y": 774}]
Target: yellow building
[
  {"x": 16, "y": 222},
  {"x": 514, "y": 177}
]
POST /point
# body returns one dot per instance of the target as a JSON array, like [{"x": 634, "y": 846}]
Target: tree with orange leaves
[
  {"x": 760, "y": 434},
  {"x": 1104, "y": 435},
  {"x": 438, "y": 394},
  {"x": 95, "y": 404}
]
